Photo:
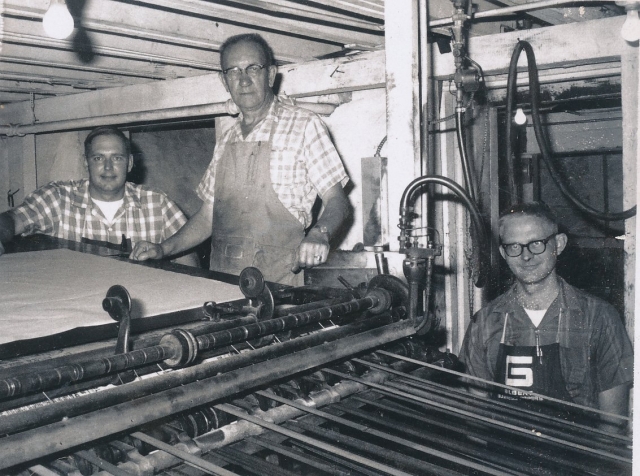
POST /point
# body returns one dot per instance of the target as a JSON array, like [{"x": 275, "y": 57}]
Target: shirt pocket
[{"x": 576, "y": 363}]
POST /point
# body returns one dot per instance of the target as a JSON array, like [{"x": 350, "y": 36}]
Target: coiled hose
[{"x": 543, "y": 144}]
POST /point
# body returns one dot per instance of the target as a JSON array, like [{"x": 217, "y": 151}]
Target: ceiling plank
[
  {"x": 259, "y": 21},
  {"x": 374, "y": 9},
  {"x": 168, "y": 27}
]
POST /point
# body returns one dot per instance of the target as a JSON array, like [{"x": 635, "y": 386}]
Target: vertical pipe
[
  {"x": 403, "y": 105},
  {"x": 423, "y": 23}
]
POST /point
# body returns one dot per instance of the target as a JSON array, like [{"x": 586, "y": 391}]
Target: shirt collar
[
  {"x": 567, "y": 299},
  {"x": 271, "y": 115}
]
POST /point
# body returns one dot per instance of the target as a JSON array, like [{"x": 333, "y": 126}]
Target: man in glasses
[
  {"x": 544, "y": 335},
  {"x": 264, "y": 178}
]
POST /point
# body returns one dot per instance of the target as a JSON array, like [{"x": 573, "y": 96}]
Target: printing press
[{"x": 314, "y": 380}]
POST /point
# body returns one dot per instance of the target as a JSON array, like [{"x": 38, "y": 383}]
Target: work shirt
[
  {"x": 65, "y": 210},
  {"x": 595, "y": 350},
  {"x": 304, "y": 162}
]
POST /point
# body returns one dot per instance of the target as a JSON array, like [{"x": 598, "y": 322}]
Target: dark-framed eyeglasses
[
  {"x": 536, "y": 247},
  {"x": 235, "y": 72}
]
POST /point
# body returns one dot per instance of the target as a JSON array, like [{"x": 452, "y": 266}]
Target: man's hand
[
  {"x": 313, "y": 250},
  {"x": 145, "y": 250}
]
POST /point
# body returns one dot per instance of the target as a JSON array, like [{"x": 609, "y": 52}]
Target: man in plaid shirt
[
  {"x": 104, "y": 209},
  {"x": 265, "y": 176}
]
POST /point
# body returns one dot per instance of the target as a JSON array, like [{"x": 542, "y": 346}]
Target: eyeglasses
[
  {"x": 535, "y": 247},
  {"x": 234, "y": 73}
]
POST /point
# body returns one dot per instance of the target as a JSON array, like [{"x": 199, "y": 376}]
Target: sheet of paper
[{"x": 47, "y": 292}]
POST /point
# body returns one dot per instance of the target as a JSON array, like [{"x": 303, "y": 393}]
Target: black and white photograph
[{"x": 318, "y": 237}]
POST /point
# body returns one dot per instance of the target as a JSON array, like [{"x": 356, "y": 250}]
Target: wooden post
[
  {"x": 403, "y": 101},
  {"x": 630, "y": 157}
]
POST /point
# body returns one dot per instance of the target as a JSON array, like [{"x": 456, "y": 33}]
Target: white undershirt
[
  {"x": 536, "y": 315},
  {"x": 108, "y": 209}
]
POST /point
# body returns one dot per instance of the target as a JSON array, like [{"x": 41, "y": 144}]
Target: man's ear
[
  {"x": 85, "y": 162},
  {"x": 224, "y": 81},
  {"x": 561, "y": 243},
  {"x": 273, "y": 71},
  {"x": 130, "y": 166},
  {"x": 501, "y": 250}
]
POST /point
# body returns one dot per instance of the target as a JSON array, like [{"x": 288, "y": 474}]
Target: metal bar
[
  {"x": 463, "y": 446},
  {"x": 52, "y": 378},
  {"x": 518, "y": 413},
  {"x": 283, "y": 310},
  {"x": 251, "y": 462},
  {"x": 66, "y": 434},
  {"x": 113, "y": 396},
  {"x": 318, "y": 444},
  {"x": 496, "y": 384},
  {"x": 102, "y": 464},
  {"x": 188, "y": 458},
  {"x": 502, "y": 444},
  {"x": 298, "y": 456},
  {"x": 279, "y": 324},
  {"x": 515, "y": 9},
  {"x": 516, "y": 429},
  {"x": 372, "y": 431},
  {"x": 358, "y": 469}
]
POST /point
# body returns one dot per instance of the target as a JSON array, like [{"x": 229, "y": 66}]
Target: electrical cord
[{"x": 543, "y": 144}]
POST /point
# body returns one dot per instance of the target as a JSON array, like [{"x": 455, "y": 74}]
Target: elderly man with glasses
[
  {"x": 265, "y": 176},
  {"x": 545, "y": 336}
]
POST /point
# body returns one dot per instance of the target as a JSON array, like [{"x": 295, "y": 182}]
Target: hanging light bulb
[
  {"x": 631, "y": 27},
  {"x": 520, "y": 118},
  {"x": 58, "y": 22}
]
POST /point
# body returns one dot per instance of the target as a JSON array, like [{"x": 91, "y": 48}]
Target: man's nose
[
  {"x": 245, "y": 79},
  {"x": 526, "y": 254},
  {"x": 108, "y": 163}
]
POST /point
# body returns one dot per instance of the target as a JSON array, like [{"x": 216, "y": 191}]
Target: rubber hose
[
  {"x": 466, "y": 165},
  {"x": 480, "y": 235},
  {"x": 543, "y": 144}
]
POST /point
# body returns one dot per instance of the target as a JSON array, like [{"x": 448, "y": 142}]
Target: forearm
[
  {"x": 194, "y": 232},
  {"x": 337, "y": 210},
  {"x": 616, "y": 401}
]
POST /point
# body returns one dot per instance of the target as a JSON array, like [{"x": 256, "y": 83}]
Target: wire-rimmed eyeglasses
[
  {"x": 536, "y": 247},
  {"x": 234, "y": 73}
]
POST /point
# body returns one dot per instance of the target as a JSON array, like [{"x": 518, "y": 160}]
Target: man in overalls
[
  {"x": 543, "y": 335},
  {"x": 103, "y": 209},
  {"x": 266, "y": 173}
]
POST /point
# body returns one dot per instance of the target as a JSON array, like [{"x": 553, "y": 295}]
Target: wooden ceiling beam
[
  {"x": 261, "y": 21},
  {"x": 159, "y": 26}
]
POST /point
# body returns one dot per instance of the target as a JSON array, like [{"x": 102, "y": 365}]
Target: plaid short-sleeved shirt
[
  {"x": 304, "y": 161},
  {"x": 65, "y": 210}
]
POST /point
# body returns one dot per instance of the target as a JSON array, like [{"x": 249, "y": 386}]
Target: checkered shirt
[
  {"x": 304, "y": 161},
  {"x": 65, "y": 210}
]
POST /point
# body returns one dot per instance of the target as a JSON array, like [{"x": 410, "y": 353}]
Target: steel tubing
[
  {"x": 113, "y": 396},
  {"x": 279, "y": 324},
  {"x": 495, "y": 408},
  {"x": 527, "y": 433},
  {"x": 71, "y": 432},
  {"x": 59, "y": 376},
  {"x": 310, "y": 441}
]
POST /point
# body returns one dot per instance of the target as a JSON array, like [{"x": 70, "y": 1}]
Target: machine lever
[{"x": 118, "y": 304}]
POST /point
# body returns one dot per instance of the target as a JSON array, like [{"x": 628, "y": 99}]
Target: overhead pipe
[
  {"x": 497, "y": 12},
  {"x": 213, "y": 109}
]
